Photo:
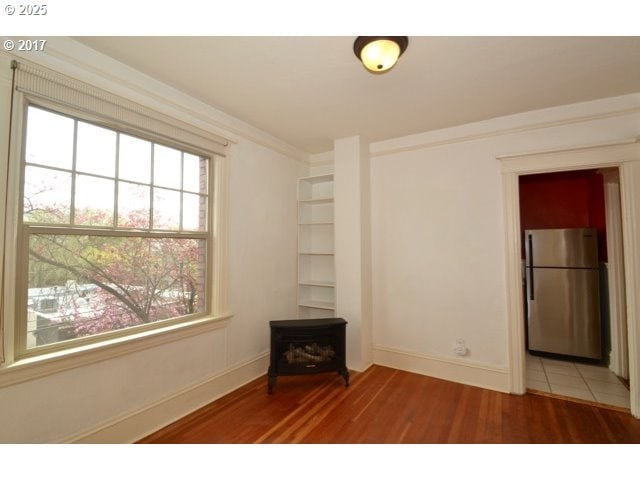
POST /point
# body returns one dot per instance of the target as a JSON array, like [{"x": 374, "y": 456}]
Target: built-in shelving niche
[{"x": 316, "y": 266}]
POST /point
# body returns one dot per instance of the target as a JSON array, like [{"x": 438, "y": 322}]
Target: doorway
[
  {"x": 557, "y": 204},
  {"x": 626, "y": 158}
]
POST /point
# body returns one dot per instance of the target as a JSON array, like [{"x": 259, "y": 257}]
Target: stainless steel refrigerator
[{"x": 563, "y": 305}]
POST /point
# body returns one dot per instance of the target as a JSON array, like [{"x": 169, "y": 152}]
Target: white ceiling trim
[
  {"x": 67, "y": 56},
  {"x": 517, "y": 123}
]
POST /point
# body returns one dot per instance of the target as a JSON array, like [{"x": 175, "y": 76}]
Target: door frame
[
  {"x": 625, "y": 155},
  {"x": 619, "y": 358}
]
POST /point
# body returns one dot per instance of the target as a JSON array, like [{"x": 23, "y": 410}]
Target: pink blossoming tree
[{"x": 139, "y": 279}]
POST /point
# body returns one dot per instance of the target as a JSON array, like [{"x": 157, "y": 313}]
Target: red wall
[{"x": 564, "y": 200}]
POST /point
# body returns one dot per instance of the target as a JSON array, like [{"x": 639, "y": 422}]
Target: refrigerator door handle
[{"x": 530, "y": 239}]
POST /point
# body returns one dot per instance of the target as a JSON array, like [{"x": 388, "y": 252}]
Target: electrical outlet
[{"x": 460, "y": 348}]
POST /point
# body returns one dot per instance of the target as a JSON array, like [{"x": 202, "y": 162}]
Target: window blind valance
[{"x": 115, "y": 110}]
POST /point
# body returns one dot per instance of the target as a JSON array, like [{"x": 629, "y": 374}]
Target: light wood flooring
[{"x": 384, "y": 405}]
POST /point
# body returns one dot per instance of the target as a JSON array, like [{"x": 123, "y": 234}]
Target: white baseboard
[
  {"x": 135, "y": 425},
  {"x": 459, "y": 371}
]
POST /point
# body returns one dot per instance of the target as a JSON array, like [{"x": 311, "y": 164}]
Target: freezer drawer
[{"x": 563, "y": 311}]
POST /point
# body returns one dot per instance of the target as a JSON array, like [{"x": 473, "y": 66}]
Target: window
[{"x": 115, "y": 232}]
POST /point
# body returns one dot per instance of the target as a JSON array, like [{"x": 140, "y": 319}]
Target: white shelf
[
  {"x": 309, "y": 224},
  {"x": 325, "y": 177},
  {"x": 317, "y": 201},
  {"x": 317, "y": 283},
  {"x": 319, "y": 305},
  {"x": 312, "y": 312},
  {"x": 315, "y": 188},
  {"x": 315, "y": 212},
  {"x": 316, "y": 268},
  {"x": 316, "y": 238}
]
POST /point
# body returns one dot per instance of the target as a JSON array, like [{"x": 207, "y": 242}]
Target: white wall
[
  {"x": 437, "y": 252},
  {"x": 263, "y": 256},
  {"x": 262, "y": 282},
  {"x": 438, "y": 235},
  {"x": 352, "y": 248}
]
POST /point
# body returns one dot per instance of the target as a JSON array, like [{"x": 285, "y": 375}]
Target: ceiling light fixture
[{"x": 379, "y": 54}]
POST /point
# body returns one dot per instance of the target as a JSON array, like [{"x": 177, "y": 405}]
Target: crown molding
[
  {"x": 70, "y": 57},
  {"x": 512, "y": 124}
]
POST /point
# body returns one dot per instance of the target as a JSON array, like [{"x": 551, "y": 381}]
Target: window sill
[{"x": 50, "y": 363}]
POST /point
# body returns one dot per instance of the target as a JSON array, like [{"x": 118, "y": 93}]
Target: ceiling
[{"x": 309, "y": 91}]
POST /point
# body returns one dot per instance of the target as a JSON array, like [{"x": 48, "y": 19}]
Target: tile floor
[{"x": 576, "y": 380}]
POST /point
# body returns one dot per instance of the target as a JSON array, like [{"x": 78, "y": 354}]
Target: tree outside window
[{"x": 115, "y": 226}]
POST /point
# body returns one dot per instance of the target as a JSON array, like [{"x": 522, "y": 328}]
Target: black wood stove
[{"x": 300, "y": 347}]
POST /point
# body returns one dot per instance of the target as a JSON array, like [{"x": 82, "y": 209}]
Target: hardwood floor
[{"x": 383, "y": 405}]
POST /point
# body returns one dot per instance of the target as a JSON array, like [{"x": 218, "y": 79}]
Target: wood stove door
[{"x": 308, "y": 350}]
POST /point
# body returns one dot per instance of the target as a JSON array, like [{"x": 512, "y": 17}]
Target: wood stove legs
[
  {"x": 271, "y": 382},
  {"x": 345, "y": 374}
]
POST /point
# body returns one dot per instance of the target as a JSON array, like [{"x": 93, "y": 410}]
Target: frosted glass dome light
[{"x": 379, "y": 54}]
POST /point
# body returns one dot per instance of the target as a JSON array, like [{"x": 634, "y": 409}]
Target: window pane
[
  {"x": 47, "y": 195},
  {"x": 74, "y": 292},
  {"x": 194, "y": 212},
  {"x": 134, "y": 159},
  {"x": 96, "y": 150},
  {"x": 195, "y": 173},
  {"x": 94, "y": 201},
  {"x": 166, "y": 209},
  {"x": 166, "y": 166},
  {"x": 133, "y": 205},
  {"x": 49, "y": 139}
]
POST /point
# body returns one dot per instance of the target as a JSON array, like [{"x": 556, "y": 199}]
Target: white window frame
[
  {"x": 26, "y": 229},
  {"x": 21, "y": 366}
]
